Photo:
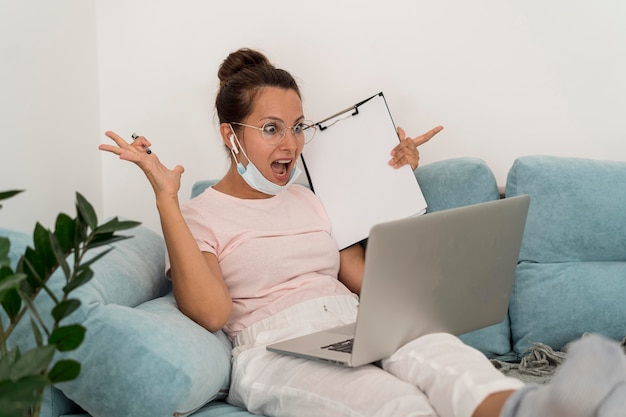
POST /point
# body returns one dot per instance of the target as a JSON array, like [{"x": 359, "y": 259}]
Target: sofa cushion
[
  {"x": 53, "y": 403},
  {"x": 199, "y": 186},
  {"x": 130, "y": 274},
  {"x": 555, "y": 303},
  {"x": 493, "y": 341},
  {"x": 572, "y": 278},
  {"x": 141, "y": 356},
  {"x": 148, "y": 360},
  {"x": 461, "y": 182}
]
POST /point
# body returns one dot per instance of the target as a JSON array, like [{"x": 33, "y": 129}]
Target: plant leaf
[
  {"x": 43, "y": 249},
  {"x": 105, "y": 239},
  {"x": 5, "y": 247},
  {"x": 64, "y": 370},
  {"x": 83, "y": 277},
  {"x": 18, "y": 396},
  {"x": 9, "y": 283},
  {"x": 92, "y": 260},
  {"x": 25, "y": 265},
  {"x": 38, "y": 263},
  {"x": 6, "y": 362},
  {"x": 59, "y": 255},
  {"x": 115, "y": 225},
  {"x": 8, "y": 194},
  {"x": 9, "y": 298},
  {"x": 65, "y": 308},
  {"x": 67, "y": 338},
  {"x": 86, "y": 211},
  {"x": 33, "y": 362},
  {"x": 12, "y": 304},
  {"x": 65, "y": 231},
  {"x": 10, "y": 280}
]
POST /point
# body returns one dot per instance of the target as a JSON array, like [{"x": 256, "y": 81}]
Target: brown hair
[{"x": 242, "y": 74}]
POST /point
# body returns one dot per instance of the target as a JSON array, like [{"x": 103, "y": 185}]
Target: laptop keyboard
[{"x": 343, "y": 346}]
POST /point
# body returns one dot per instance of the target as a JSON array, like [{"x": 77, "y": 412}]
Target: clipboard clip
[
  {"x": 336, "y": 118},
  {"x": 342, "y": 115}
]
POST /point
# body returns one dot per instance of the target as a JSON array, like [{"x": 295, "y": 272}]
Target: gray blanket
[{"x": 538, "y": 365}]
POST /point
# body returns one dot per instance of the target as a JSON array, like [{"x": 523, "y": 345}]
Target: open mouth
[{"x": 280, "y": 168}]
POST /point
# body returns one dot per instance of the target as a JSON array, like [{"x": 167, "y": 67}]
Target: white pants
[{"x": 434, "y": 375}]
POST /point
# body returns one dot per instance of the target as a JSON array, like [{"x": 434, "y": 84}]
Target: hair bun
[
  {"x": 240, "y": 60},
  {"x": 242, "y": 75}
]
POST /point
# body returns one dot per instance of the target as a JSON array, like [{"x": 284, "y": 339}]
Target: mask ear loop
[{"x": 234, "y": 149}]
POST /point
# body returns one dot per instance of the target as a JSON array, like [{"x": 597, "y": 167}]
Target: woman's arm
[
  {"x": 351, "y": 264},
  {"x": 199, "y": 287}
]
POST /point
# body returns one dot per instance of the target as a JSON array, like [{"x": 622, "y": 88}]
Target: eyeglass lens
[{"x": 274, "y": 131}]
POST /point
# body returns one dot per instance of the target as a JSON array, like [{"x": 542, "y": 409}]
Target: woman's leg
[
  {"x": 455, "y": 377},
  {"x": 458, "y": 382},
  {"x": 275, "y": 385}
]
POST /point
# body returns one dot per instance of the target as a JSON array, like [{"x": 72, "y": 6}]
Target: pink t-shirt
[{"x": 273, "y": 252}]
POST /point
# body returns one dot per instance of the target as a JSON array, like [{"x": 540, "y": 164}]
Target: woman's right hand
[{"x": 164, "y": 181}]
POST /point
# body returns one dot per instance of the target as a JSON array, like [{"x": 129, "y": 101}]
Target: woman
[{"x": 254, "y": 255}]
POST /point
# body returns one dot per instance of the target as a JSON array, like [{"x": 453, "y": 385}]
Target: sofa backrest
[
  {"x": 456, "y": 182},
  {"x": 576, "y": 211}
]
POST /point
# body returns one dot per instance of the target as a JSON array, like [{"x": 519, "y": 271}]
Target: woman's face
[{"x": 284, "y": 108}]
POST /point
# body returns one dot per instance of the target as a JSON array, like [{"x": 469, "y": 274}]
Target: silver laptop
[{"x": 447, "y": 271}]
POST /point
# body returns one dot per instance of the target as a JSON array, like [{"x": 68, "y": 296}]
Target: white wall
[
  {"x": 505, "y": 78},
  {"x": 49, "y": 109}
]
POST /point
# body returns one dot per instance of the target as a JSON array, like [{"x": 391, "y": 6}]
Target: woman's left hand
[{"x": 406, "y": 152}]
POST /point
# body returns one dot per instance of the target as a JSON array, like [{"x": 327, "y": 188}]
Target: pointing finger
[{"x": 420, "y": 140}]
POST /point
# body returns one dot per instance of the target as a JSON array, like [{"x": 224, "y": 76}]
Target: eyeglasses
[{"x": 274, "y": 131}]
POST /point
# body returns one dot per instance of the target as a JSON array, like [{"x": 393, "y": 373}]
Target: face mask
[{"x": 253, "y": 177}]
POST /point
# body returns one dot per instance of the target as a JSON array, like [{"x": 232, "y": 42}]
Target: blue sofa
[{"x": 142, "y": 357}]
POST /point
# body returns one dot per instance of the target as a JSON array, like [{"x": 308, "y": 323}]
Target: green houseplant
[{"x": 25, "y": 374}]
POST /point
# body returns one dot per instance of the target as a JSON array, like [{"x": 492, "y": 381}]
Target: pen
[{"x": 135, "y": 136}]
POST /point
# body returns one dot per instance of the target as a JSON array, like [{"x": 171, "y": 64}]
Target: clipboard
[{"x": 346, "y": 165}]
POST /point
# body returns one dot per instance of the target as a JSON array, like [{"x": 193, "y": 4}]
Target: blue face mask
[{"x": 255, "y": 179}]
